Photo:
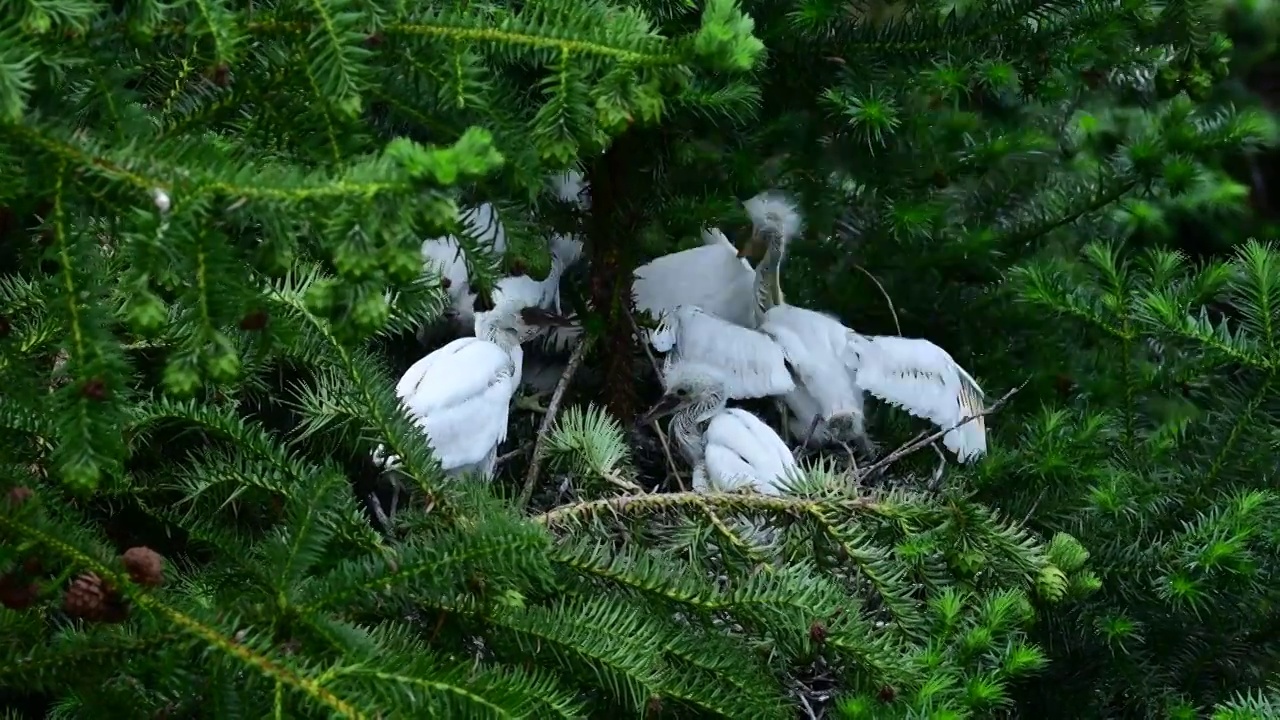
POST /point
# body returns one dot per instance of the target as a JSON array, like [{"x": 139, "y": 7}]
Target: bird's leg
[
  {"x": 395, "y": 495},
  {"x": 853, "y": 462},
  {"x": 813, "y": 427},
  {"x": 531, "y": 402},
  {"x": 782, "y": 422},
  {"x": 935, "y": 483}
]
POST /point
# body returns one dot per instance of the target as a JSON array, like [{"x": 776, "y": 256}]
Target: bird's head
[
  {"x": 775, "y": 220},
  {"x": 533, "y": 319},
  {"x": 686, "y": 384}
]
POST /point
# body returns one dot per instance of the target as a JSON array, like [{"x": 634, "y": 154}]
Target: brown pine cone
[
  {"x": 19, "y": 495},
  {"x": 145, "y": 565},
  {"x": 86, "y": 597},
  {"x": 16, "y": 594}
]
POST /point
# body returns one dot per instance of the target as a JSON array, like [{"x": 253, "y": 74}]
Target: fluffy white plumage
[
  {"x": 923, "y": 379},
  {"x": 772, "y": 210},
  {"x": 710, "y": 276},
  {"x": 460, "y": 395},
  {"x": 736, "y": 449},
  {"x": 752, "y": 364},
  {"x": 815, "y": 345}
]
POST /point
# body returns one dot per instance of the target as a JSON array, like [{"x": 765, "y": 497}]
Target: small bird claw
[{"x": 531, "y": 403}]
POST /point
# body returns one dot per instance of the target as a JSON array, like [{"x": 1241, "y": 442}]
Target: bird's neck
[
  {"x": 768, "y": 285},
  {"x": 487, "y": 329},
  {"x": 688, "y": 425},
  {"x": 687, "y": 434}
]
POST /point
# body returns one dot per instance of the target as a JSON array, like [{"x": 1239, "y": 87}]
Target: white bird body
[
  {"x": 460, "y": 395},
  {"x": 739, "y": 450},
  {"x": 923, "y": 379},
  {"x": 751, "y": 363},
  {"x": 443, "y": 255},
  {"x": 729, "y": 448},
  {"x": 815, "y": 345},
  {"x": 710, "y": 276}
]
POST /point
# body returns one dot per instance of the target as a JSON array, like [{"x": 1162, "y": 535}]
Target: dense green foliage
[{"x": 210, "y": 219}]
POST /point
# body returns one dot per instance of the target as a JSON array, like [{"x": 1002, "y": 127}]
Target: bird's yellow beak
[
  {"x": 751, "y": 247},
  {"x": 664, "y": 407}
]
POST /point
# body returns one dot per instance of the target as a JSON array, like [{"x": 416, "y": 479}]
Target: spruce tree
[{"x": 210, "y": 222}]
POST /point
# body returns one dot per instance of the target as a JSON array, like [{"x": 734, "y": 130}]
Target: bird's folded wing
[
  {"x": 750, "y": 362},
  {"x": 456, "y": 372},
  {"x": 727, "y": 471},
  {"x": 923, "y": 379},
  {"x": 809, "y": 342},
  {"x": 747, "y": 437},
  {"x": 467, "y": 433},
  {"x": 711, "y": 277}
]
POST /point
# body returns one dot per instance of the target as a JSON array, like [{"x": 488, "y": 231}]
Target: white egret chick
[
  {"x": 729, "y": 448},
  {"x": 751, "y": 364},
  {"x": 460, "y": 394}
]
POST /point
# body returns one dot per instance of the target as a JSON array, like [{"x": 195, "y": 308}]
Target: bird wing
[
  {"x": 711, "y": 277},
  {"x": 751, "y": 364},
  {"x": 814, "y": 344},
  {"x": 715, "y": 236},
  {"x": 923, "y": 379},
  {"x": 740, "y": 448},
  {"x": 461, "y": 400}
]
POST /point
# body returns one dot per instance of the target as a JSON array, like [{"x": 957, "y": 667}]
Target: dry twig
[
  {"x": 917, "y": 444},
  {"x": 544, "y": 429},
  {"x": 657, "y": 371},
  {"x": 507, "y": 456}
]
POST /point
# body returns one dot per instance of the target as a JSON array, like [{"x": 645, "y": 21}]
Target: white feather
[
  {"x": 752, "y": 364},
  {"x": 711, "y": 277},
  {"x": 923, "y": 379},
  {"x": 569, "y": 186},
  {"x": 773, "y": 210},
  {"x": 443, "y": 255},
  {"x": 815, "y": 345},
  {"x": 736, "y": 449},
  {"x": 460, "y": 396},
  {"x": 741, "y": 450}
]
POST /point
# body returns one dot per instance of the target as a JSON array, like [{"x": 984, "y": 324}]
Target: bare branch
[
  {"x": 917, "y": 444},
  {"x": 544, "y": 429},
  {"x": 657, "y": 371},
  {"x": 507, "y": 456}
]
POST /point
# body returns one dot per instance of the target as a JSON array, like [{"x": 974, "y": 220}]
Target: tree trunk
[{"x": 612, "y": 234}]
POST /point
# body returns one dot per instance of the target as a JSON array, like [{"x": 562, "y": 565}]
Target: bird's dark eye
[{"x": 681, "y": 392}]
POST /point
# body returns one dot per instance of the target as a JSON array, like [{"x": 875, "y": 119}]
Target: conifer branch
[
  {"x": 739, "y": 502},
  {"x": 208, "y": 635}
]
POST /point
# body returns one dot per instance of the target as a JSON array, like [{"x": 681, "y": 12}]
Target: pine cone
[
  {"x": 145, "y": 566},
  {"x": 86, "y": 597},
  {"x": 255, "y": 320},
  {"x": 818, "y": 633},
  {"x": 16, "y": 594},
  {"x": 19, "y": 495}
]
